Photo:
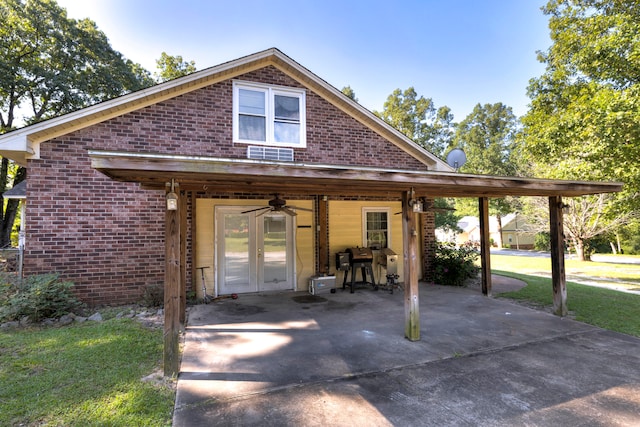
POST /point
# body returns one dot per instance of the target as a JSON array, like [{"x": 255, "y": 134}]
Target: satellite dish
[{"x": 456, "y": 158}]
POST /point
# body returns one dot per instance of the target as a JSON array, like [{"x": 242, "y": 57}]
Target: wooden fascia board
[
  {"x": 30, "y": 137},
  {"x": 153, "y": 169},
  {"x": 100, "y": 113},
  {"x": 59, "y": 126}
]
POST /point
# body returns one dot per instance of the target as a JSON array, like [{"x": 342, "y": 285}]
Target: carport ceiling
[{"x": 219, "y": 174}]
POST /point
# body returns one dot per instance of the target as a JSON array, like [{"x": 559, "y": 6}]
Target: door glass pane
[
  {"x": 236, "y": 254},
  {"x": 275, "y": 248}
]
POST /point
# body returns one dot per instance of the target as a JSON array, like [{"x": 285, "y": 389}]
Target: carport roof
[{"x": 223, "y": 174}]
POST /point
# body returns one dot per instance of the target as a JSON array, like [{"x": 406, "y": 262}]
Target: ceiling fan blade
[
  {"x": 264, "y": 212},
  {"x": 299, "y": 209},
  {"x": 288, "y": 211},
  {"x": 257, "y": 209}
]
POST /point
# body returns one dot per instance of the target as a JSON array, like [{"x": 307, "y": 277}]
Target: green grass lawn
[
  {"x": 606, "y": 308},
  {"x": 609, "y": 270},
  {"x": 83, "y": 375}
]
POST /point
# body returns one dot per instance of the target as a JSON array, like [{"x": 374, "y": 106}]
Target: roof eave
[
  {"x": 18, "y": 147},
  {"x": 49, "y": 129},
  {"x": 153, "y": 170}
]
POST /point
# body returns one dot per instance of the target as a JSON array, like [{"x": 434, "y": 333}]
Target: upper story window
[{"x": 268, "y": 115}]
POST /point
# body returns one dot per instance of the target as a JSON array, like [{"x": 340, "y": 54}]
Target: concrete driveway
[{"x": 342, "y": 360}]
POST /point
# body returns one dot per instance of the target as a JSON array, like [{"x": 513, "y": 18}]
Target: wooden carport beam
[
  {"x": 558, "y": 276},
  {"x": 410, "y": 250},
  {"x": 172, "y": 290},
  {"x": 485, "y": 245}
]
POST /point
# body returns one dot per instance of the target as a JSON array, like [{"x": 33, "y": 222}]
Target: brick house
[
  {"x": 221, "y": 143},
  {"x": 108, "y": 237}
]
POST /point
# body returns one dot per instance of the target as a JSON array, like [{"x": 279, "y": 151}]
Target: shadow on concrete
[{"x": 270, "y": 360}]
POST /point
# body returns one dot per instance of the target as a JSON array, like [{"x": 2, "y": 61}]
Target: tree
[
  {"x": 585, "y": 218},
  {"x": 487, "y": 136},
  {"x": 51, "y": 65},
  {"x": 584, "y": 121},
  {"x": 418, "y": 118},
  {"x": 446, "y": 218},
  {"x": 349, "y": 92},
  {"x": 172, "y": 67}
]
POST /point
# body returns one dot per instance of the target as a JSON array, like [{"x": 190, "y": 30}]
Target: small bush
[
  {"x": 542, "y": 242},
  {"x": 37, "y": 297},
  {"x": 153, "y": 295},
  {"x": 455, "y": 265}
]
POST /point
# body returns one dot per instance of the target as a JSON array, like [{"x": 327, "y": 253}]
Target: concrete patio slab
[{"x": 292, "y": 359}]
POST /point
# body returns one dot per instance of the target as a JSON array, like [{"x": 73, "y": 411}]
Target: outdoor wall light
[
  {"x": 172, "y": 198},
  {"x": 565, "y": 207}
]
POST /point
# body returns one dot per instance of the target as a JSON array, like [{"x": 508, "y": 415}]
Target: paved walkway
[{"x": 342, "y": 360}]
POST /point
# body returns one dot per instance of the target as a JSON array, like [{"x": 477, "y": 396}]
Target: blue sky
[{"x": 457, "y": 52}]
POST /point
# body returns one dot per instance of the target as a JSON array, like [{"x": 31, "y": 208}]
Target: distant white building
[{"x": 516, "y": 233}]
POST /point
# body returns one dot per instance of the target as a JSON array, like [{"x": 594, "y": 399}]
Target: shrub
[
  {"x": 37, "y": 297},
  {"x": 542, "y": 242},
  {"x": 455, "y": 265},
  {"x": 153, "y": 295}
]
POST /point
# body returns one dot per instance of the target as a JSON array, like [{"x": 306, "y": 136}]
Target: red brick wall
[
  {"x": 429, "y": 243},
  {"x": 108, "y": 237}
]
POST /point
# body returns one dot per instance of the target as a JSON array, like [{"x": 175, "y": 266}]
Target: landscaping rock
[
  {"x": 9, "y": 325},
  {"x": 66, "y": 319},
  {"x": 25, "y": 321},
  {"x": 80, "y": 319},
  {"x": 97, "y": 317}
]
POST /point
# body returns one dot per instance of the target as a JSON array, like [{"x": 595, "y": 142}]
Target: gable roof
[
  {"x": 19, "y": 191},
  {"x": 23, "y": 144}
]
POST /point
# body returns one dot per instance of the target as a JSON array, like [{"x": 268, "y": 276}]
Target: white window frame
[
  {"x": 366, "y": 210},
  {"x": 270, "y": 92}
]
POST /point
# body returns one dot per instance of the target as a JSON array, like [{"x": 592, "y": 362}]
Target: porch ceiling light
[{"x": 172, "y": 198}]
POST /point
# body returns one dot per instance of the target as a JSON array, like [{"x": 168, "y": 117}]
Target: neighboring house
[
  {"x": 220, "y": 144},
  {"x": 516, "y": 232}
]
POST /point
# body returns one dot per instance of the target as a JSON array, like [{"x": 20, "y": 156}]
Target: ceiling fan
[{"x": 278, "y": 205}]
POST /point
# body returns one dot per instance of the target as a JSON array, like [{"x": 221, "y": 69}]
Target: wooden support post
[
  {"x": 410, "y": 250},
  {"x": 183, "y": 258},
  {"x": 558, "y": 276},
  {"x": 485, "y": 245},
  {"x": 172, "y": 292},
  {"x": 323, "y": 235}
]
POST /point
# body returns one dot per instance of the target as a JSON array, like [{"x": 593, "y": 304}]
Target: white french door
[{"x": 254, "y": 251}]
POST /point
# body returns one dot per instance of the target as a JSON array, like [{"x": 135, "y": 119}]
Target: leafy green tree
[
  {"x": 487, "y": 136},
  {"x": 172, "y": 67},
  {"x": 349, "y": 92},
  {"x": 584, "y": 121},
  {"x": 417, "y": 117},
  {"x": 446, "y": 216},
  {"x": 585, "y": 220},
  {"x": 51, "y": 65}
]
